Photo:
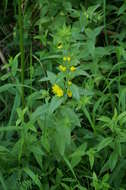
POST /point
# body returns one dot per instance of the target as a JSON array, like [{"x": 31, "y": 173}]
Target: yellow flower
[
  {"x": 69, "y": 82},
  {"x": 72, "y": 68},
  {"x": 62, "y": 68},
  {"x": 57, "y": 90},
  {"x": 60, "y": 46},
  {"x": 68, "y": 59},
  {"x": 64, "y": 58},
  {"x": 69, "y": 93}
]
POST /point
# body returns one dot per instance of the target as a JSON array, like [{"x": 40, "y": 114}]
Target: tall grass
[{"x": 21, "y": 44}]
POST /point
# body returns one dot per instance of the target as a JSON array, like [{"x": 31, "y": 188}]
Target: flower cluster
[
  {"x": 57, "y": 90},
  {"x": 67, "y": 68}
]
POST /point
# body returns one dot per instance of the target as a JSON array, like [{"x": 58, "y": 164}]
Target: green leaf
[
  {"x": 3, "y": 182},
  {"x": 91, "y": 153},
  {"x": 91, "y": 47},
  {"x": 122, "y": 117},
  {"x": 20, "y": 147},
  {"x": 59, "y": 176},
  {"x": 33, "y": 176},
  {"x": 38, "y": 153},
  {"x": 87, "y": 114},
  {"x": 6, "y": 87},
  {"x": 3, "y": 149},
  {"x": 5, "y": 76},
  {"x": 104, "y": 143},
  {"x": 40, "y": 112},
  {"x": 105, "y": 177},
  {"x": 79, "y": 187},
  {"x": 113, "y": 159},
  {"x": 65, "y": 187},
  {"x": 80, "y": 151},
  {"x": 98, "y": 30},
  {"x": 118, "y": 173},
  {"x": 62, "y": 136},
  {"x": 14, "y": 65},
  {"x": 55, "y": 103},
  {"x": 80, "y": 72},
  {"x": 75, "y": 91},
  {"x": 9, "y": 128},
  {"x": 30, "y": 126},
  {"x": 45, "y": 142},
  {"x": 52, "y": 77},
  {"x": 77, "y": 155},
  {"x": 16, "y": 104},
  {"x": 73, "y": 117},
  {"x": 75, "y": 161},
  {"x": 69, "y": 166},
  {"x": 122, "y": 9},
  {"x": 92, "y": 9},
  {"x": 105, "y": 119}
]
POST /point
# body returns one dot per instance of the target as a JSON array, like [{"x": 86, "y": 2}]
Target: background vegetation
[{"x": 62, "y": 95}]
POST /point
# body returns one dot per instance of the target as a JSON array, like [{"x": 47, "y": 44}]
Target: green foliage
[{"x": 62, "y": 95}]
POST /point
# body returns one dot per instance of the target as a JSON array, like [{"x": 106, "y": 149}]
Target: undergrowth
[{"x": 62, "y": 95}]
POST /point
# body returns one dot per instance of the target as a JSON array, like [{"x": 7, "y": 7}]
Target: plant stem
[
  {"x": 20, "y": 20},
  {"x": 31, "y": 67},
  {"x": 105, "y": 31}
]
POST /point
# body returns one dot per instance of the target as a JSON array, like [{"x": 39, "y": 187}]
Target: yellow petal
[
  {"x": 64, "y": 58},
  {"x": 62, "y": 68},
  {"x": 72, "y": 68},
  {"x": 57, "y": 90},
  {"x": 68, "y": 59}
]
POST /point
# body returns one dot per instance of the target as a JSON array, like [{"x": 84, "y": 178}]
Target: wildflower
[
  {"x": 64, "y": 58},
  {"x": 68, "y": 59},
  {"x": 72, "y": 68},
  {"x": 69, "y": 93},
  {"x": 62, "y": 68},
  {"x": 69, "y": 82},
  {"x": 57, "y": 90}
]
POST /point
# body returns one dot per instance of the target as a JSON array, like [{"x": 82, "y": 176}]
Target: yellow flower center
[{"x": 57, "y": 90}]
